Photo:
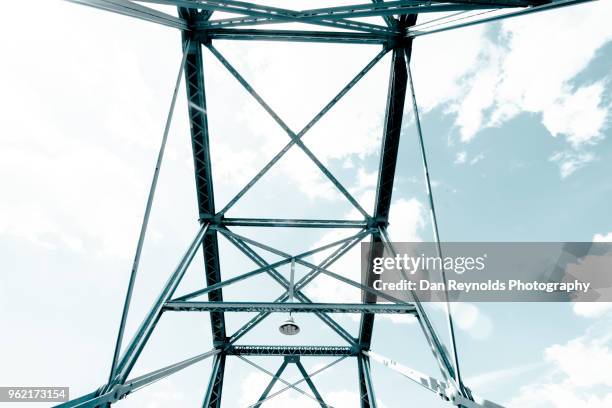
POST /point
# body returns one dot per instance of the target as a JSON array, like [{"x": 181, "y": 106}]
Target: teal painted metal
[
  {"x": 278, "y": 307},
  {"x": 215, "y": 385},
  {"x": 278, "y": 350},
  {"x": 199, "y": 28}
]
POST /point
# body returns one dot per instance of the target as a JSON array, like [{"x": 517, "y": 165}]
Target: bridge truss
[{"x": 398, "y": 27}]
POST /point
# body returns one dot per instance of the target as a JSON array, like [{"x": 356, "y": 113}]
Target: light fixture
[{"x": 289, "y": 327}]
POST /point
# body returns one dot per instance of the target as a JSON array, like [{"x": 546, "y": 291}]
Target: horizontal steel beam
[
  {"x": 273, "y": 350},
  {"x": 376, "y": 35},
  {"x": 292, "y": 223},
  {"x": 262, "y": 14},
  {"x": 328, "y": 14},
  {"x": 272, "y": 307},
  {"x": 345, "y": 24},
  {"x": 389, "y": 8},
  {"x": 130, "y": 9},
  {"x": 292, "y": 35},
  {"x": 365, "y": 38},
  {"x": 554, "y": 4}
]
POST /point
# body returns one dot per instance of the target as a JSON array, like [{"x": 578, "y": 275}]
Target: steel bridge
[{"x": 201, "y": 29}]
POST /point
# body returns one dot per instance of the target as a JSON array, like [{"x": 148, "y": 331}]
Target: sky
[{"x": 516, "y": 120}]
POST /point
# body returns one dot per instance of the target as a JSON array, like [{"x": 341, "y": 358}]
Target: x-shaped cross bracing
[{"x": 198, "y": 27}]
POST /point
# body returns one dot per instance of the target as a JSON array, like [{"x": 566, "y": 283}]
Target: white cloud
[
  {"x": 309, "y": 179},
  {"x": 551, "y": 395},
  {"x": 441, "y": 62},
  {"x": 365, "y": 180},
  {"x": 578, "y": 115},
  {"x": 406, "y": 220},
  {"x": 591, "y": 309},
  {"x": 346, "y": 399},
  {"x": 471, "y": 106},
  {"x": 72, "y": 148},
  {"x": 594, "y": 309},
  {"x": 460, "y": 157},
  {"x": 59, "y": 197},
  {"x": 544, "y": 54},
  {"x": 579, "y": 373},
  {"x": 530, "y": 67},
  {"x": 603, "y": 238},
  {"x": 164, "y": 395},
  {"x": 477, "y": 158},
  {"x": 570, "y": 161},
  {"x": 233, "y": 165},
  {"x": 585, "y": 362}
]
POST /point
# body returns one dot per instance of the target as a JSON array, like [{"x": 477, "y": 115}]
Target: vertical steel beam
[
  {"x": 212, "y": 399},
  {"x": 364, "y": 394},
  {"x": 368, "y": 398},
  {"x": 398, "y": 83},
  {"x": 388, "y": 160},
  {"x": 196, "y": 96}
]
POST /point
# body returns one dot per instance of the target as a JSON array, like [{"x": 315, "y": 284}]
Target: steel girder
[
  {"x": 328, "y": 351},
  {"x": 135, "y": 10},
  {"x": 398, "y": 83},
  {"x": 196, "y": 96},
  {"x": 198, "y": 119},
  {"x": 352, "y": 31},
  {"x": 194, "y": 20},
  {"x": 212, "y": 398},
  {"x": 292, "y": 223},
  {"x": 323, "y": 15},
  {"x": 246, "y": 34},
  {"x": 275, "y": 307},
  {"x": 367, "y": 398},
  {"x": 386, "y": 175}
]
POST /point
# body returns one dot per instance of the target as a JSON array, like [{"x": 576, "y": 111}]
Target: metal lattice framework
[{"x": 395, "y": 33}]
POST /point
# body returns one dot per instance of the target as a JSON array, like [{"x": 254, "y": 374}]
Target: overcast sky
[{"x": 516, "y": 120}]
